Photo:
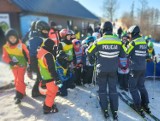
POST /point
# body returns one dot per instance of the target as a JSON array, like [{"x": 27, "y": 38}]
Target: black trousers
[
  {"x": 108, "y": 80},
  {"x": 123, "y": 80},
  {"x": 137, "y": 87},
  {"x": 87, "y": 74},
  {"x": 78, "y": 75}
]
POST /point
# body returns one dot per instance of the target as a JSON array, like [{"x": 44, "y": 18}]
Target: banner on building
[{"x": 4, "y": 21}]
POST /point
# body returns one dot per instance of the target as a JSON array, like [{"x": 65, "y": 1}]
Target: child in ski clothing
[
  {"x": 88, "y": 67},
  {"x": 123, "y": 71},
  {"x": 16, "y": 54},
  {"x": 48, "y": 74},
  {"x": 66, "y": 45},
  {"x": 35, "y": 42},
  {"x": 150, "y": 52},
  {"x": 62, "y": 68},
  {"x": 123, "y": 67},
  {"x": 79, "y": 57}
]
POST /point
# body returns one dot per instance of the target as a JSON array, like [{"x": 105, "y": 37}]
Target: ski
[
  {"x": 150, "y": 114},
  {"x": 109, "y": 118},
  {"x": 129, "y": 104}
]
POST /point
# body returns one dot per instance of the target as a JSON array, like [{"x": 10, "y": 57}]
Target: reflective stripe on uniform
[
  {"x": 109, "y": 54},
  {"x": 124, "y": 48},
  {"x": 110, "y": 42},
  {"x": 140, "y": 53},
  {"x": 140, "y": 43},
  {"x": 130, "y": 48},
  {"x": 91, "y": 48}
]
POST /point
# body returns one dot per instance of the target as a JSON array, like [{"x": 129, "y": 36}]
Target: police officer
[
  {"x": 109, "y": 48},
  {"x": 137, "y": 54}
]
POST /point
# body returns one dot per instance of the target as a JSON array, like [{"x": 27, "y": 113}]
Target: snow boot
[
  {"x": 106, "y": 114},
  {"x": 141, "y": 112},
  {"x": 48, "y": 110},
  {"x": 17, "y": 101},
  {"x": 138, "y": 109},
  {"x": 146, "y": 108},
  {"x": 115, "y": 116}
]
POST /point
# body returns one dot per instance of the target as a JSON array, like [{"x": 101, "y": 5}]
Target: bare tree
[
  {"x": 132, "y": 12},
  {"x": 109, "y": 8},
  {"x": 128, "y": 17}
]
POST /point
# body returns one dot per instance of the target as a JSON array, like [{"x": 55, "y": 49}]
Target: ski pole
[
  {"x": 154, "y": 79},
  {"x": 93, "y": 77}
]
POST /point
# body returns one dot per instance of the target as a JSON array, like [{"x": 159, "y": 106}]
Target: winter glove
[
  {"x": 29, "y": 72},
  {"x": 13, "y": 63},
  {"x": 59, "y": 83}
]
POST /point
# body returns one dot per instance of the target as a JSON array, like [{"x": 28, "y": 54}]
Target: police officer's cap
[{"x": 134, "y": 30}]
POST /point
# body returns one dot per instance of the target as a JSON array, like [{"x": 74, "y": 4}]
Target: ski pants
[
  {"x": 78, "y": 75},
  {"x": 20, "y": 86},
  {"x": 108, "y": 79},
  {"x": 52, "y": 90},
  {"x": 136, "y": 85},
  {"x": 87, "y": 74},
  {"x": 123, "y": 80}
]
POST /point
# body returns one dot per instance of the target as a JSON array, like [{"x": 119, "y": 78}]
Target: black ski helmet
[
  {"x": 42, "y": 25},
  {"x": 33, "y": 24},
  {"x": 107, "y": 27},
  {"x": 133, "y": 30},
  {"x": 11, "y": 32},
  {"x": 62, "y": 56}
]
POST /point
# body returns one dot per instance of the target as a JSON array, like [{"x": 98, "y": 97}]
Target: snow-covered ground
[
  {"x": 6, "y": 75},
  {"x": 78, "y": 106}
]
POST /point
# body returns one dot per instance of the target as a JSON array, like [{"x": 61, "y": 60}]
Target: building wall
[
  {"x": 26, "y": 20},
  {"x": 62, "y": 20},
  {"x": 7, "y": 6}
]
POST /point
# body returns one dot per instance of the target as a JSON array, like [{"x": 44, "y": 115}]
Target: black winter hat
[{"x": 48, "y": 45}]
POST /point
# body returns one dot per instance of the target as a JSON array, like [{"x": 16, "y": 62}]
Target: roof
[{"x": 69, "y": 8}]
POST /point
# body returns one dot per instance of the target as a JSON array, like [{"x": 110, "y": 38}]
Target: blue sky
[{"x": 95, "y": 6}]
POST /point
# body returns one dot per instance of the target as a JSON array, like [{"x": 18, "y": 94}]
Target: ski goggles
[{"x": 78, "y": 42}]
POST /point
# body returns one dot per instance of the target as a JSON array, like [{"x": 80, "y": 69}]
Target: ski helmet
[
  {"x": 133, "y": 30},
  {"x": 90, "y": 39},
  {"x": 76, "y": 42},
  {"x": 64, "y": 32},
  {"x": 42, "y": 25},
  {"x": 33, "y": 24},
  {"x": 11, "y": 32},
  {"x": 62, "y": 56},
  {"x": 107, "y": 27},
  {"x": 96, "y": 35},
  {"x": 150, "y": 44}
]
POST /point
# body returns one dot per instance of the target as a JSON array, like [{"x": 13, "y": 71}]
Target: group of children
[{"x": 59, "y": 64}]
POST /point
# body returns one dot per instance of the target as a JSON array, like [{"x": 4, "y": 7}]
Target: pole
[{"x": 154, "y": 79}]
